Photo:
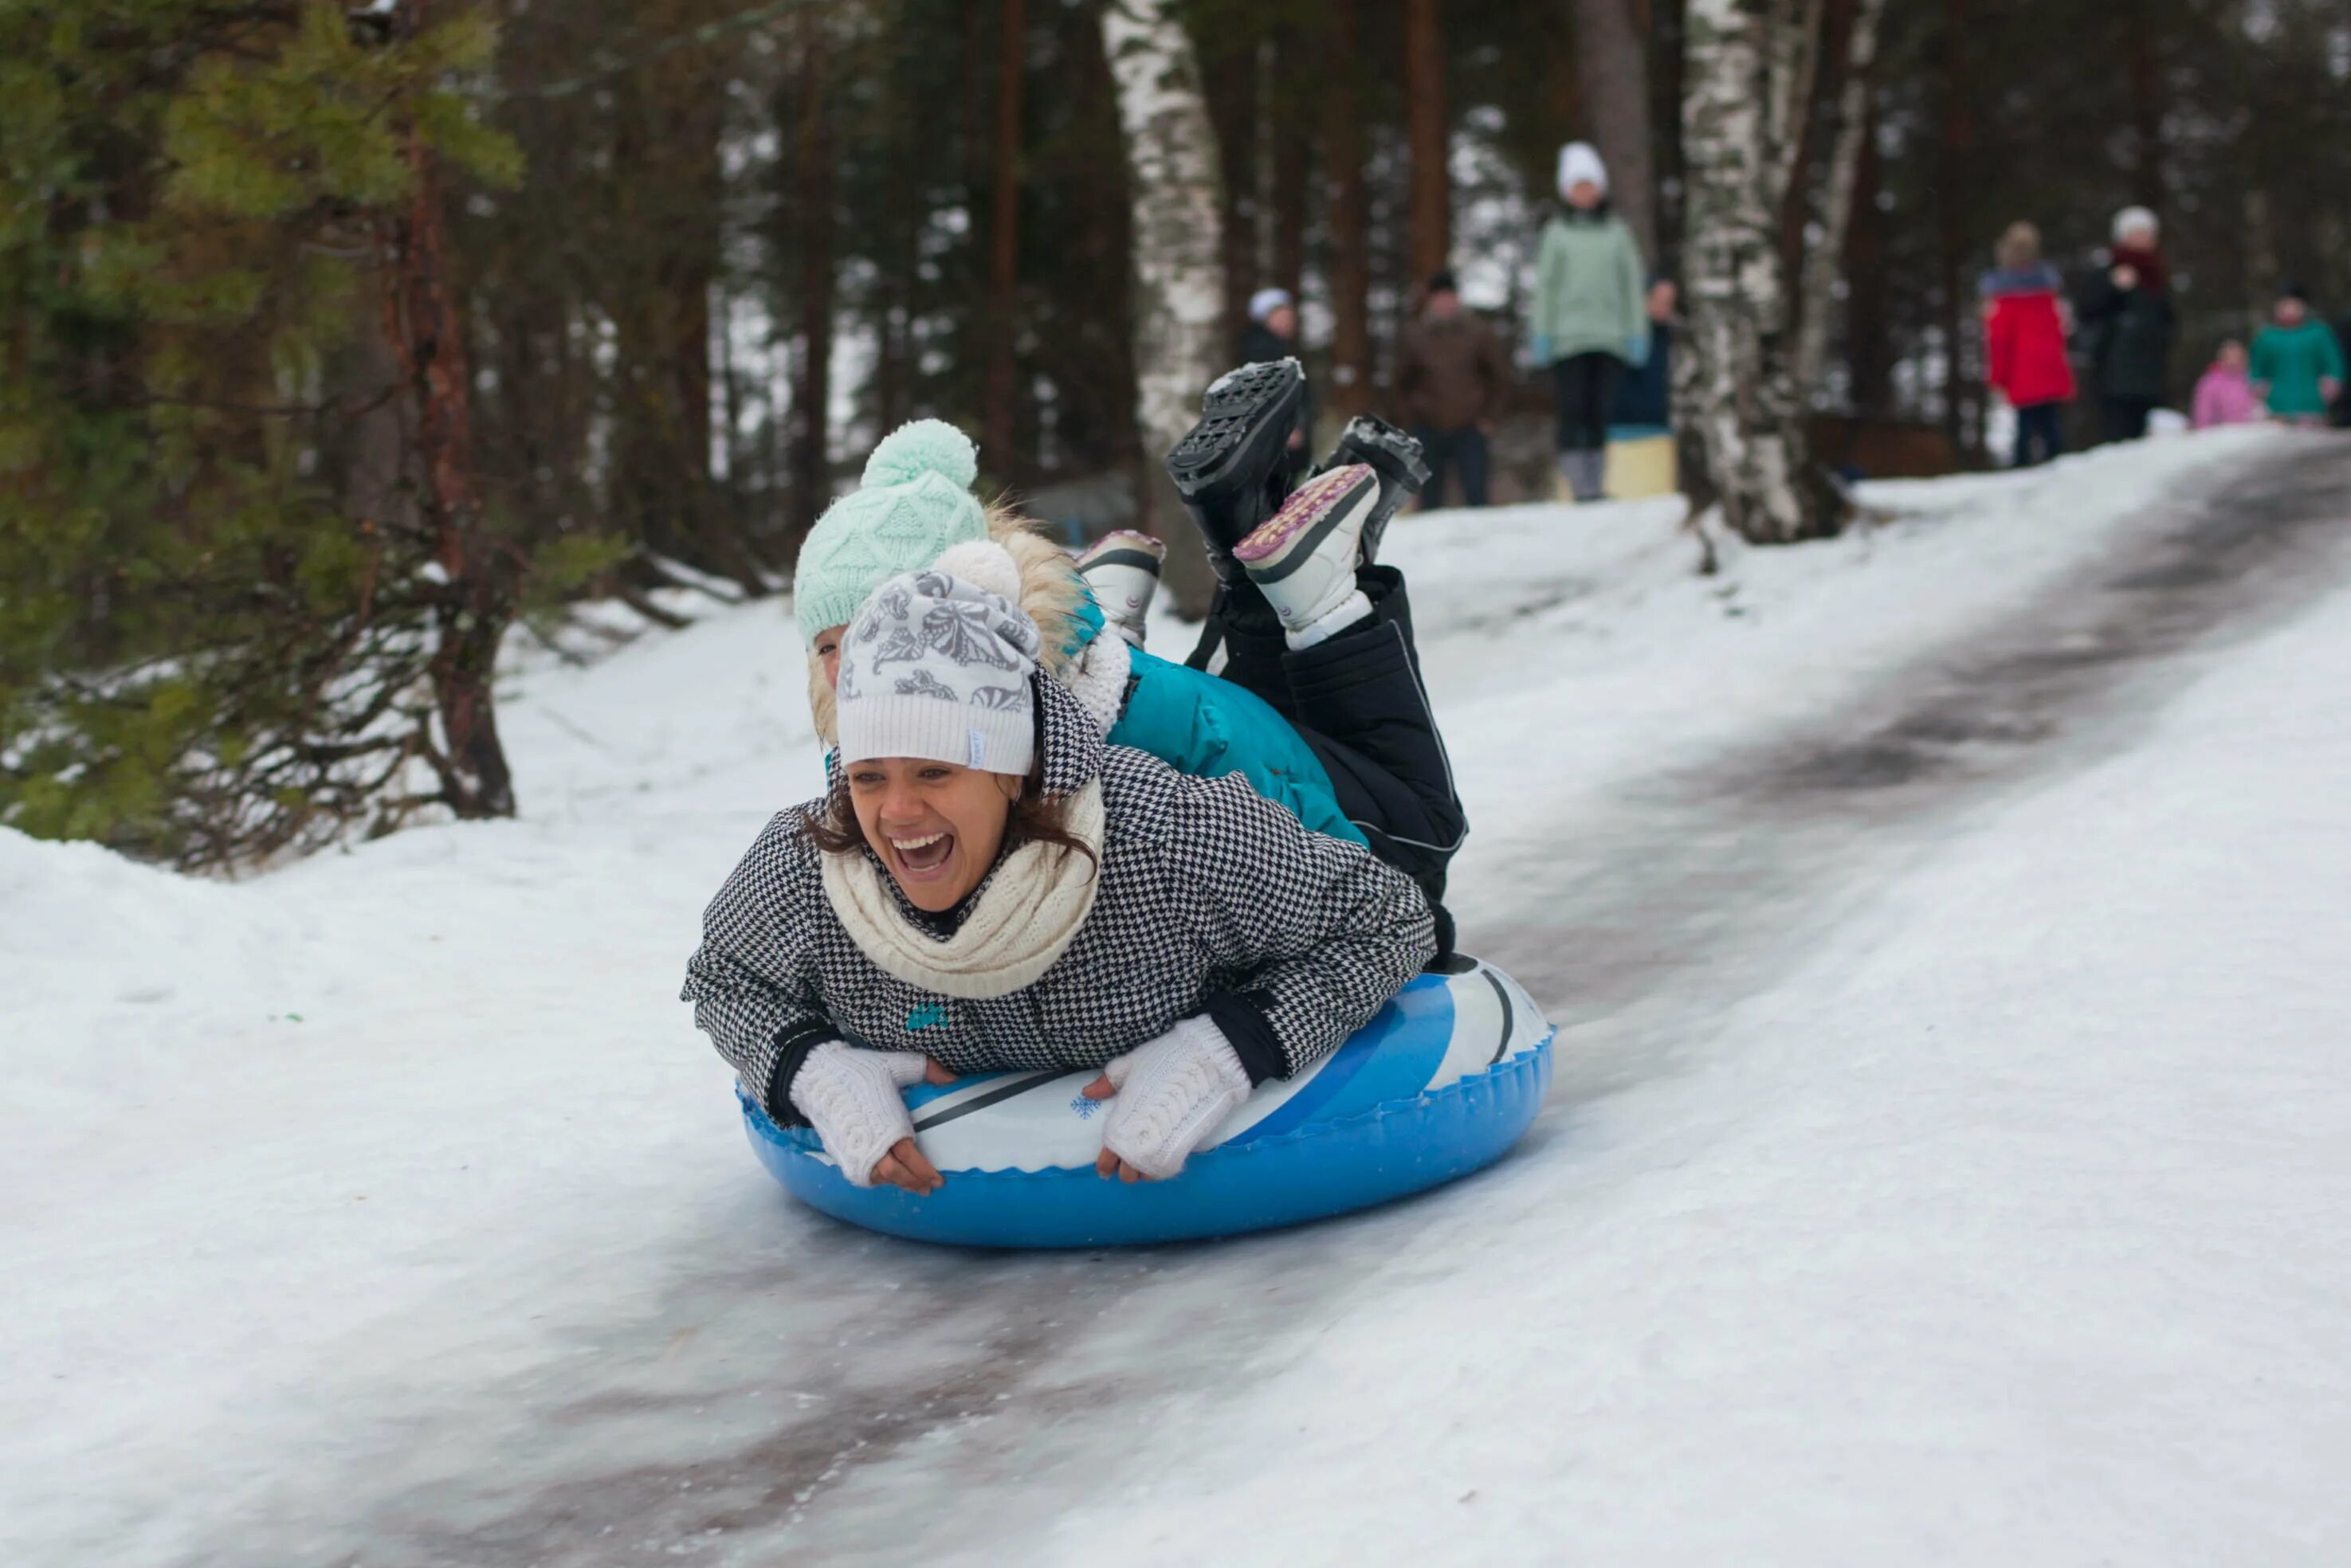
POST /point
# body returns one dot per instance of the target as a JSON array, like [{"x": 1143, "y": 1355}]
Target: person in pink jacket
[{"x": 2225, "y": 393}]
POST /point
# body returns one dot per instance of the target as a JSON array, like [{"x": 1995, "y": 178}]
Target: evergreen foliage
[
  {"x": 242, "y": 608},
  {"x": 206, "y": 654}
]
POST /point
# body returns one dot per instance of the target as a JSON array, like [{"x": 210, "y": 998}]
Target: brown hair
[
  {"x": 1033, "y": 820},
  {"x": 2020, "y": 247}
]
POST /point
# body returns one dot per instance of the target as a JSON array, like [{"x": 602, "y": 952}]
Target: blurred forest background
[{"x": 339, "y": 340}]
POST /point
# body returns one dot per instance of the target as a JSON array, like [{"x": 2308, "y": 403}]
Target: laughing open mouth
[{"x": 923, "y": 854}]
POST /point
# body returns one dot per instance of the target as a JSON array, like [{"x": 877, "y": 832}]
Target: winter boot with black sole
[
  {"x": 1233, "y": 467},
  {"x": 1394, "y": 455}
]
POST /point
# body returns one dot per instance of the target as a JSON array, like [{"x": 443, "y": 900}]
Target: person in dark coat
[
  {"x": 1646, "y": 395},
  {"x": 2341, "y": 415},
  {"x": 1453, "y": 378},
  {"x": 1273, "y": 334},
  {"x": 2128, "y": 325}
]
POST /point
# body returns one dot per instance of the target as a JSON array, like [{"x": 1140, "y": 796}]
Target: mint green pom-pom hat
[{"x": 914, "y": 502}]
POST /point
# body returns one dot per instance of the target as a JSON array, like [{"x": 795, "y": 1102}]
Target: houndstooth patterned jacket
[{"x": 1211, "y": 896}]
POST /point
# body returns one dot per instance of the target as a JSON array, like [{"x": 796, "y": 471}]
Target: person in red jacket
[{"x": 2024, "y": 343}]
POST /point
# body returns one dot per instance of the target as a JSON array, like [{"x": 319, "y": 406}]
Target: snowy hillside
[{"x": 1944, "y": 1166}]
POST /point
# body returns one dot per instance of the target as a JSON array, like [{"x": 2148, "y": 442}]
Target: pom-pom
[
  {"x": 985, "y": 564},
  {"x": 924, "y": 446}
]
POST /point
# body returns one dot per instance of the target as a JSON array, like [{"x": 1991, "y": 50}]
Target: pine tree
[{"x": 206, "y": 654}]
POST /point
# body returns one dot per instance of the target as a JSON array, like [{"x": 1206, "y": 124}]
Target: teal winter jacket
[
  {"x": 1590, "y": 288},
  {"x": 2292, "y": 362},
  {"x": 1207, "y": 728}
]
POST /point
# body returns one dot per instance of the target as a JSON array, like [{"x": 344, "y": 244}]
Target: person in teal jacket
[
  {"x": 917, "y": 501},
  {"x": 1590, "y": 319},
  {"x": 2297, "y": 365}
]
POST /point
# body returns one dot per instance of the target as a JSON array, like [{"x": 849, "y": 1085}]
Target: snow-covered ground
[{"x": 388, "y": 1209}]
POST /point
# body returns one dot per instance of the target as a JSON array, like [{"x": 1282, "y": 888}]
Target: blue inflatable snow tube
[{"x": 1442, "y": 1082}]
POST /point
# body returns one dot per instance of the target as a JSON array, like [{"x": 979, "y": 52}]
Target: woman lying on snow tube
[
  {"x": 1390, "y": 788},
  {"x": 988, "y": 886}
]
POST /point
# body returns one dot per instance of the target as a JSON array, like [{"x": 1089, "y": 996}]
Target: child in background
[
  {"x": 2297, "y": 366},
  {"x": 2224, "y": 395},
  {"x": 2024, "y": 343}
]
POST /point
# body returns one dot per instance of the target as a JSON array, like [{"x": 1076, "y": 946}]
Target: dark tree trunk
[
  {"x": 1229, "y": 81},
  {"x": 1351, "y": 259},
  {"x": 1428, "y": 206},
  {"x": 1868, "y": 341},
  {"x": 1293, "y": 134},
  {"x": 813, "y": 237},
  {"x": 1666, "y": 37},
  {"x": 481, "y": 583},
  {"x": 2141, "y": 43},
  {"x": 667, "y": 195},
  {"x": 1002, "y": 382},
  {"x": 1954, "y": 156},
  {"x": 1612, "y": 71},
  {"x": 1842, "y": 110},
  {"x": 1796, "y": 215}
]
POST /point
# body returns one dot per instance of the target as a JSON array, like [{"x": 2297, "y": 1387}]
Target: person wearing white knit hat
[
  {"x": 1266, "y": 301},
  {"x": 988, "y": 886},
  {"x": 2126, "y": 321},
  {"x": 1271, "y": 335},
  {"x": 1580, "y": 164},
  {"x": 1590, "y": 316}
]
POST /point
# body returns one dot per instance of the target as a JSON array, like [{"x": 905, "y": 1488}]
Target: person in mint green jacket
[
  {"x": 1589, "y": 320},
  {"x": 916, "y": 502},
  {"x": 2297, "y": 365}
]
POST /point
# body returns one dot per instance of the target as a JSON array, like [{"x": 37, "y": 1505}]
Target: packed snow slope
[{"x": 1950, "y": 1159}]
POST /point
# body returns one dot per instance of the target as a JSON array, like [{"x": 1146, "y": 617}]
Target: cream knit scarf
[{"x": 1027, "y": 917}]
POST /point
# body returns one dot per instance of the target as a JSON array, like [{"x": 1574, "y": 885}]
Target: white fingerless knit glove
[
  {"x": 1172, "y": 1093},
  {"x": 851, "y": 1097}
]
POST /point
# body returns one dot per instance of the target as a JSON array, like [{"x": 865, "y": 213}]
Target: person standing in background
[
  {"x": 2297, "y": 365},
  {"x": 1273, "y": 334},
  {"x": 2224, "y": 394},
  {"x": 1452, "y": 379},
  {"x": 2024, "y": 343},
  {"x": 1590, "y": 318},
  {"x": 2127, "y": 319},
  {"x": 2342, "y": 346},
  {"x": 1646, "y": 396}
]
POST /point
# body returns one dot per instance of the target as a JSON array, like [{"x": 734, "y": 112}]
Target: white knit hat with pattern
[{"x": 936, "y": 665}]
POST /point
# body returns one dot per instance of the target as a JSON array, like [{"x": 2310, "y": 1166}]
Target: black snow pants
[
  {"x": 1359, "y": 704},
  {"x": 1584, "y": 389}
]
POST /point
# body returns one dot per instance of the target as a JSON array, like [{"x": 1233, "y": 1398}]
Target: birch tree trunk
[
  {"x": 1178, "y": 266},
  {"x": 1822, "y": 258},
  {"x": 1749, "y": 88}
]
